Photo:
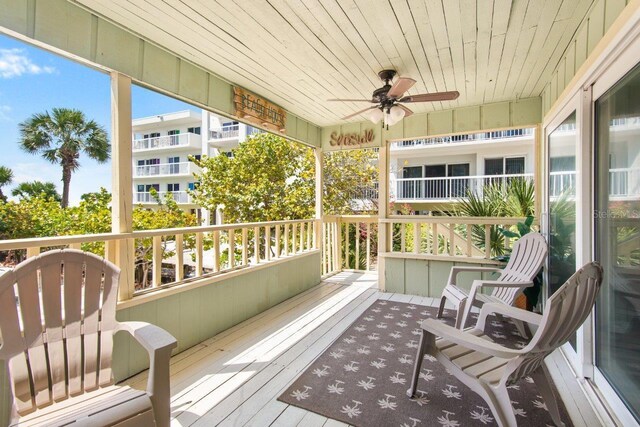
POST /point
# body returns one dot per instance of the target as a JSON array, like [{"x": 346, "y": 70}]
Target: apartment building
[
  {"x": 163, "y": 145},
  {"x": 431, "y": 173}
]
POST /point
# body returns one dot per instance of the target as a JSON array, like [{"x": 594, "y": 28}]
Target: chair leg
[
  {"x": 541, "y": 379},
  {"x": 464, "y": 308},
  {"x": 500, "y": 404},
  {"x": 443, "y": 299},
  {"x": 422, "y": 346}
]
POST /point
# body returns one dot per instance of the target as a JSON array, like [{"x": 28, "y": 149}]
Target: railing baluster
[
  {"x": 435, "y": 248},
  {"x": 346, "y": 245},
  {"x": 277, "y": 241},
  {"x": 417, "y": 238},
  {"x": 216, "y": 251},
  {"x": 179, "y": 273},
  {"x": 487, "y": 241},
  {"x": 294, "y": 236},
  {"x": 256, "y": 244},
  {"x": 156, "y": 275},
  {"x": 403, "y": 237},
  {"x": 452, "y": 240},
  {"x": 368, "y": 246},
  {"x": 267, "y": 243},
  {"x": 469, "y": 240},
  {"x": 231, "y": 251},
  {"x": 310, "y": 235},
  {"x": 198, "y": 254},
  {"x": 245, "y": 246},
  {"x": 286, "y": 239},
  {"x": 357, "y": 259},
  {"x": 301, "y": 247}
]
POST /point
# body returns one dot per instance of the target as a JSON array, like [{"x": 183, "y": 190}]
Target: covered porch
[{"x": 253, "y": 304}]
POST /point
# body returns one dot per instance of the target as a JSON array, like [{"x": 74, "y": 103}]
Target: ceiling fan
[{"x": 389, "y": 99}]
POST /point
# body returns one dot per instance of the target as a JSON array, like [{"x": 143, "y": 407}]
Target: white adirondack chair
[
  {"x": 57, "y": 319},
  {"x": 488, "y": 368},
  {"x": 526, "y": 260}
]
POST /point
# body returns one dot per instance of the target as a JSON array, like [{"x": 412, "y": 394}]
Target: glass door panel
[
  {"x": 617, "y": 243},
  {"x": 562, "y": 206}
]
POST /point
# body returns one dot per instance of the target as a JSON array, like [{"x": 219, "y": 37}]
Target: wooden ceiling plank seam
[
  {"x": 484, "y": 19},
  {"x": 196, "y": 57},
  {"x": 562, "y": 47},
  {"x": 501, "y": 16},
  {"x": 454, "y": 31},
  {"x": 470, "y": 69},
  {"x": 512, "y": 40},
  {"x": 468, "y": 12},
  {"x": 545, "y": 24},
  {"x": 495, "y": 57}
]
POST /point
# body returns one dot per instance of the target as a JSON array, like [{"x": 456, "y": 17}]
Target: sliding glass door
[{"x": 617, "y": 238}]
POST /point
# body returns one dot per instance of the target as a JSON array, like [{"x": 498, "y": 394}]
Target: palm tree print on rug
[{"x": 362, "y": 378}]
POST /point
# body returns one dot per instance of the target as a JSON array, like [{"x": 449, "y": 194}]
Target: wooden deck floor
[{"x": 234, "y": 378}]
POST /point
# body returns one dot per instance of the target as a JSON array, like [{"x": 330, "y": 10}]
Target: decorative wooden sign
[
  {"x": 348, "y": 139},
  {"x": 250, "y": 107}
]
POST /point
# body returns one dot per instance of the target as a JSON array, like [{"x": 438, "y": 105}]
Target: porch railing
[
  {"x": 349, "y": 243},
  {"x": 148, "y": 197},
  {"x": 168, "y": 257},
  {"x": 449, "y": 188}
]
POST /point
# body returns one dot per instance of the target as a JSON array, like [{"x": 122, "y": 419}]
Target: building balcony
[
  {"x": 623, "y": 184},
  {"x": 168, "y": 142},
  {"x": 165, "y": 169},
  {"x": 225, "y": 132},
  {"x": 495, "y": 136},
  {"x": 181, "y": 197}
]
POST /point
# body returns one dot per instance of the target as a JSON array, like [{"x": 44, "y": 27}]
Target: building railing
[
  {"x": 148, "y": 197},
  {"x": 225, "y": 132},
  {"x": 182, "y": 168},
  {"x": 163, "y": 259},
  {"x": 449, "y": 188},
  {"x": 623, "y": 183},
  {"x": 469, "y": 137},
  {"x": 167, "y": 141}
]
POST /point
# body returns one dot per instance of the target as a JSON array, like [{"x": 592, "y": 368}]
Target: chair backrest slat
[
  {"x": 565, "y": 311},
  {"x": 51, "y": 288},
  {"x": 526, "y": 260},
  {"x": 58, "y": 329}
]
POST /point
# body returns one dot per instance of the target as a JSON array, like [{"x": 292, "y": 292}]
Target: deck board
[{"x": 235, "y": 378}]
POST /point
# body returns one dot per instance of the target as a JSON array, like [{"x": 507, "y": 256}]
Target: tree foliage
[
  {"x": 6, "y": 178},
  {"x": 60, "y": 137},
  {"x": 269, "y": 178},
  {"x": 27, "y": 190}
]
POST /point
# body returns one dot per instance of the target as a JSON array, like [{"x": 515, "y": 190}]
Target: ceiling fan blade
[
  {"x": 353, "y": 100},
  {"x": 407, "y": 111},
  {"x": 431, "y": 97},
  {"x": 359, "y": 112},
  {"x": 401, "y": 85}
]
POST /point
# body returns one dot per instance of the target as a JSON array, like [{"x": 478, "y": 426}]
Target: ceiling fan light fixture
[
  {"x": 374, "y": 115},
  {"x": 393, "y": 115}
]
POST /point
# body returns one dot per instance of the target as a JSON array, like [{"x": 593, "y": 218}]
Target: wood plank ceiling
[{"x": 298, "y": 53}]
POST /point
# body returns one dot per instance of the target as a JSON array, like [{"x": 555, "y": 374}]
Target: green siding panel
[
  {"x": 496, "y": 115},
  {"x": 155, "y": 59},
  {"x": 14, "y": 15},
  {"x": 56, "y": 19},
  {"x": 466, "y": 119},
  {"x": 220, "y": 94},
  {"x": 193, "y": 82},
  {"x": 596, "y": 25},
  {"x": 522, "y": 111},
  {"x": 118, "y": 49},
  {"x": 394, "y": 275},
  {"x": 440, "y": 122}
]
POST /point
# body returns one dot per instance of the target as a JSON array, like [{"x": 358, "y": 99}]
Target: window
[
  {"x": 173, "y": 187},
  {"x": 174, "y": 138},
  {"x": 154, "y": 186},
  {"x": 151, "y": 135},
  {"x": 140, "y": 188},
  {"x": 504, "y": 166},
  {"x": 174, "y": 164},
  {"x": 197, "y": 156},
  {"x": 195, "y": 130},
  {"x": 192, "y": 186}
]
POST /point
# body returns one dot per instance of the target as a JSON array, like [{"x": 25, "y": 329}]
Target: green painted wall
[
  {"x": 426, "y": 277},
  {"x": 195, "y": 315},
  {"x": 66, "y": 27},
  {"x": 589, "y": 33},
  {"x": 524, "y": 112}
]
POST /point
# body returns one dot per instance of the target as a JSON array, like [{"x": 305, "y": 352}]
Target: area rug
[{"x": 362, "y": 378}]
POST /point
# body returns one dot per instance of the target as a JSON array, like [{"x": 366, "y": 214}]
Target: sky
[{"x": 34, "y": 81}]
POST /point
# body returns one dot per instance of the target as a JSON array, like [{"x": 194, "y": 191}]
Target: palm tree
[
  {"x": 27, "y": 190},
  {"x": 60, "y": 137},
  {"x": 6, "y": 177}
]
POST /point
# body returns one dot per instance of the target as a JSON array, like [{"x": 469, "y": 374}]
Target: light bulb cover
[{"x": 375, "y": 115}]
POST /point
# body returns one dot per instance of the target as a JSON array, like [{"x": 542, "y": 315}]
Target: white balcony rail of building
[
  {"x": 166, "y": 141},
  {"x": 225, "y": 132},
  {"x": 623, "y": 183},
  {"x": 452, "y": 139},
  {"x": 449, "y": 188},
  {"x": 182, "y": 168},
  {"x": 148, "y": 197}
]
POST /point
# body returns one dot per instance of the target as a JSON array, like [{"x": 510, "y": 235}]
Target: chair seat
[
  {"x": 487, "y": 299},
  {"x": 488, "y": 369},
  {"x": 111, "y": 406}
]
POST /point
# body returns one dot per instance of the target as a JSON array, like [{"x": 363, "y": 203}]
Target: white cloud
[
  {"x": 4, "y": 113},
  {"x": 14, "y": 63}
]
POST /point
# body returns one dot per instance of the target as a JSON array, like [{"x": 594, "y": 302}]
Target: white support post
[
  {"x": 121, "y": 174},
  {"x": 317, "y": 236},
  {"x": 383, "y": 208}
]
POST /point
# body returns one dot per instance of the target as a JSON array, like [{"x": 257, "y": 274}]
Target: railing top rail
[
  {"x": 474, "y": 220},
  {"x": 439, "y": 178},
  {"x": 352, "y": 218},
  {"x": 35, "y": 242}
]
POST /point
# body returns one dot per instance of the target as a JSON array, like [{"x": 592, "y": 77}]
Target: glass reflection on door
[
  {"x": 562, "y": 206},
  {"x": 617, "y": 220}
]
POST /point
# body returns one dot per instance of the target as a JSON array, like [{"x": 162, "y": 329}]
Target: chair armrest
[
  {"x": 158, "y": 344},
  {"x": 459, "y": 269},
  {"x": 509, "y": 311},
  {"x": 465, "y": 339},
  {"x": 499, "y": 284}
]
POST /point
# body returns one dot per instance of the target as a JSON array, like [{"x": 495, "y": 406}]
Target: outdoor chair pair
[{"x": 57, "y": 319}]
